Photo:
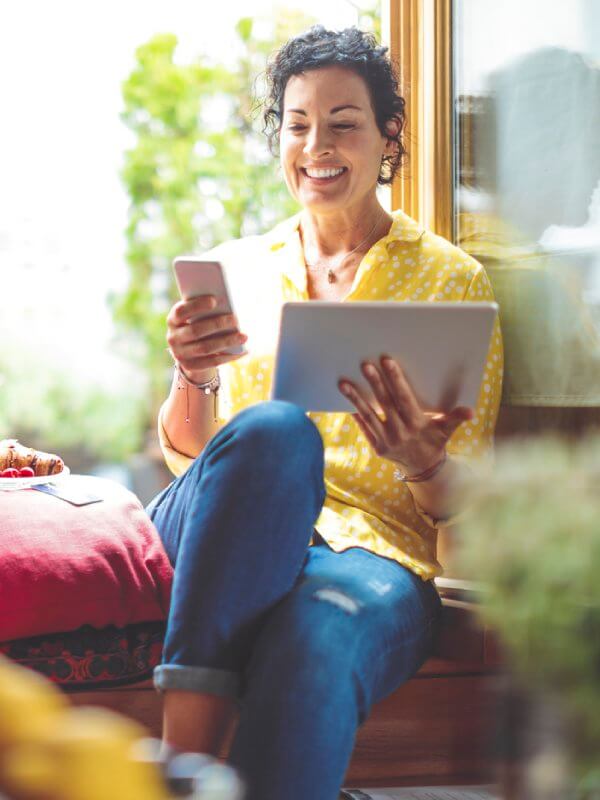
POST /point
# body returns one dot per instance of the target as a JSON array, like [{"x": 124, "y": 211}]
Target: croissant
[{"x": 14, "y": 454}]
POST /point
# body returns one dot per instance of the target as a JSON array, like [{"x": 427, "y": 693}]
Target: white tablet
[{"x": 442, "y": 348}]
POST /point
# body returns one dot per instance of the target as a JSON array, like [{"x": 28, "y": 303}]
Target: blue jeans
[{"x": 306, "y": 639}]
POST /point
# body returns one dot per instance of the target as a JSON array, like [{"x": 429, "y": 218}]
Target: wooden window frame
[{"x": 419, "y": 33}]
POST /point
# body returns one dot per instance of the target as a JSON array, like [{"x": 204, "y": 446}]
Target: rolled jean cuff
[{"x": 209, "y": 680}]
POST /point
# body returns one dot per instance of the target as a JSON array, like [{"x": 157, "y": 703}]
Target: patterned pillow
[
  {"x": 64, "y": 566},
  {"x": 92, "y": 659}
]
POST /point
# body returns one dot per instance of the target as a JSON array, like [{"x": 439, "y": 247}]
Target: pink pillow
[{"x": 63, "y": 566}]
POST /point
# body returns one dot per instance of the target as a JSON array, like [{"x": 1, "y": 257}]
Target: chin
[{"x": 322, "y": 204}]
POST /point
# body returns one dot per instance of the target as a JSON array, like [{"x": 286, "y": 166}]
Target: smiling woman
[
  {"x": 331, "y": 156},
  {"x": 280, "y": 523}
]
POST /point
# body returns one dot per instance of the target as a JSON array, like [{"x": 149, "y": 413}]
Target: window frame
[{"x": 420, "y": 39}]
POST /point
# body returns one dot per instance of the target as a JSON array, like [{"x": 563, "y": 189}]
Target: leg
[
  {"x": 237, "y": 527},
  {"x": 354, "y": 627}
]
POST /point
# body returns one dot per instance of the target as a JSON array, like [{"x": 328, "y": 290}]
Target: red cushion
[{"x": 64, "y": 566}]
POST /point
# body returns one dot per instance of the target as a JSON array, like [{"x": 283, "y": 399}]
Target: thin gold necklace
[{"x": 331, "y": 277}]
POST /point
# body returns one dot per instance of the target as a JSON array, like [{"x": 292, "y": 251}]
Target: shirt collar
[
  {"x": 285, "y": 240},
  {"x": 403, "y": 229}
]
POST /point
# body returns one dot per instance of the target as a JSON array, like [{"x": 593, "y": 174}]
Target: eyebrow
[{"x": 332, "y": 111}]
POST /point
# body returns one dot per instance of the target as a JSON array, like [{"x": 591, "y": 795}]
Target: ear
[{"x": 392, "y": 129}]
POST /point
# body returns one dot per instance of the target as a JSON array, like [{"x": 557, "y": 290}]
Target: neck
[{"x": 329, "y": 235}]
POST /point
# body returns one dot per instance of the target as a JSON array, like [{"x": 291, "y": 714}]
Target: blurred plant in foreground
[{"x": 532, "y": 539}]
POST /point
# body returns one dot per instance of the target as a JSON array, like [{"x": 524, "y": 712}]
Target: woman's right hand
[{"x": 198, "y": 346}]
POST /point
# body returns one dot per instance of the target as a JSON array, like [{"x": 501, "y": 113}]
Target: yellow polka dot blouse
[{"x": 366, "y": 505}]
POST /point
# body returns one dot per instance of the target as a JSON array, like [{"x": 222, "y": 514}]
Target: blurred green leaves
[
  {"x": 53, "y": 410},
  {"x": 198, "y": 173}
]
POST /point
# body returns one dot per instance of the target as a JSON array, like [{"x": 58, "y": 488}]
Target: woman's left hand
[{"x": 407, "y": 434}]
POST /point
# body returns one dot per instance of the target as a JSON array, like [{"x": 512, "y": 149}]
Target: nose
[{"x": 318, "y": 142}]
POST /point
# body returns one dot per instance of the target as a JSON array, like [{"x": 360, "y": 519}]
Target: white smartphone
[{"x": 197, "y": 277}]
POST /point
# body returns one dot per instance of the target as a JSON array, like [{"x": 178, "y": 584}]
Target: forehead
[{"x": 326, "y": 88}]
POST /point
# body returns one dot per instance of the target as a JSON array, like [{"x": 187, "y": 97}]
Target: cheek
[
  {"x": 367, "y": 155},
  {"x": 375, "y": 159},
  {"x": 286, "y": 162},
  {"x": 286, "y": 155}
]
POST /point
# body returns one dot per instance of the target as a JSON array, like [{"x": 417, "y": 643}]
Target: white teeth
[{"x": 324, "y": 173}]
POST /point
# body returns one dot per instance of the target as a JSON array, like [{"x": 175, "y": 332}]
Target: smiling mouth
[{"x": 323, "y": 175}]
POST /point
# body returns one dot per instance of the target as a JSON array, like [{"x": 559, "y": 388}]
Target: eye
[
  {"x": 343, "y": 126},
  {"x": 296, "y": 126}
]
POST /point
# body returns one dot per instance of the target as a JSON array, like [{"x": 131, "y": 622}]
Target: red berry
[
  {"x": 11, "y": 472},
  {"x": 26, "y": 472}
]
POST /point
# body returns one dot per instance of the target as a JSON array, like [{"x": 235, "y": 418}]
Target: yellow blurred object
[
  {"x": 52, "y": 751},
  {"x": 28, "y": 704}
]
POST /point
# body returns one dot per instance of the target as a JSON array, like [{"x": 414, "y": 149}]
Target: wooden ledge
[{"x": 434, "y": 729}]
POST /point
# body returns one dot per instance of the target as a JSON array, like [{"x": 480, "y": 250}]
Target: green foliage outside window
[
  {"x": 49, "y": 409},
  {"x": 199, "y": 172}
]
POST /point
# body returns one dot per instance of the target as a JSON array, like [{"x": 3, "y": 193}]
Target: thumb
[{"x": 450, "y": 422}]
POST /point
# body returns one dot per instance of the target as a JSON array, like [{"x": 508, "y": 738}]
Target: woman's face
[{"x": 330, "y": 145}]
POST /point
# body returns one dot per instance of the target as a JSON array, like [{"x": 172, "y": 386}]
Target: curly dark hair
[{"x": 352, "y": 48}]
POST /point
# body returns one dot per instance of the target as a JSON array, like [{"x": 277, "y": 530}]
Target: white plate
[{"x": 11, "y": 484}]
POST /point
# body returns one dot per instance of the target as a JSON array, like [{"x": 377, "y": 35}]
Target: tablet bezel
[{"x": 317, "y": 334}]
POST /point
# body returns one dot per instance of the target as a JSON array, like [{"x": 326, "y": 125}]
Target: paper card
[{"x": 70, "y": 492}]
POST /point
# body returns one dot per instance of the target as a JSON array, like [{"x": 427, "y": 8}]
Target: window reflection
[{"x": 527, "y": 100}]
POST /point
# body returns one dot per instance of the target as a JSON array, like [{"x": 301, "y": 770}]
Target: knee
[{"x": 278, "y": 426}]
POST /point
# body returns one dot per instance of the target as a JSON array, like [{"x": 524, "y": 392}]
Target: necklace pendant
[{"x": 331, "y": 276}]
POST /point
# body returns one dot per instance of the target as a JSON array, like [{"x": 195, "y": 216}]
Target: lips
[{"x": 323, "y": 174}]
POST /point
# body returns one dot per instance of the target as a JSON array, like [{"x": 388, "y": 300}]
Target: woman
[{"x": 304, "y": 545}]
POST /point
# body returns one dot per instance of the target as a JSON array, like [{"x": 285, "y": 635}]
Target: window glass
[
  {"x": 96, "y": 196},
  {"x": 527, "y": 195}
]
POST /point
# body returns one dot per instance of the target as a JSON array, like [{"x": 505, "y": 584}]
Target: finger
[
  {"x": 206, "y": 347},
  {"x": 401, "y": 390},
  {"x": 367, "y": 432},
  {"x": 208, "y": 327},
  {"x": 448, "y": 423},
  {"x": 214, "y": 360},
  {"x": 367, "y": 412},
  {"x": 185, "y": 309},
  {"x": 393, "y": 423},
  {"x": 193, "y": 332}
]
